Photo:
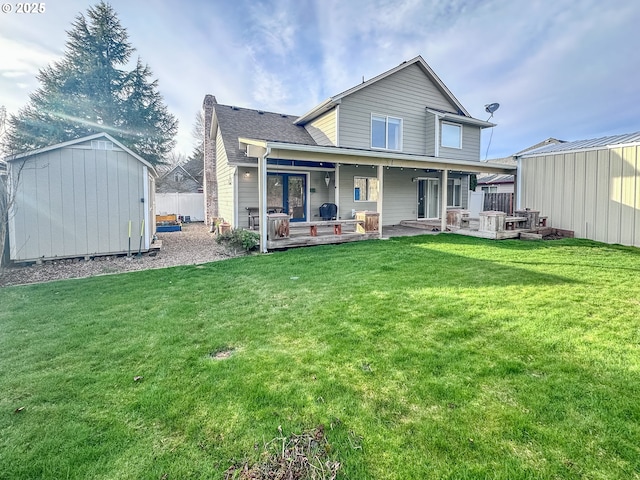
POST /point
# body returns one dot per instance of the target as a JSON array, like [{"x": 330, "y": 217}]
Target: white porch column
[
  {"x": 262, "y": 201},
  {"x": 380, "y": 198},
  {"x": 443, "y": 209},
  {"x": 336, "y": 192}
]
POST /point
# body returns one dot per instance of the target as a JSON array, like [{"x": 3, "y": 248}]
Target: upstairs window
[
  {"x": 451, "y": 135},
  {"x": 386, "y": 132}
]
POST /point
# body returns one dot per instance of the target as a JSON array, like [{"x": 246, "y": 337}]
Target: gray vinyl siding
[
  {"x": 247, "y": 194},
  {"x": 322, "y": 194},
  {"x": 430, "y": 134},
  {"x": 596, "y": 194},
  {"x": 400, "y": 200},
  {"x": 226, "y": 184},
  {"x": 470, "y": 144},
  {"x": 323, "y": 129},
  {"x": 400, "y": 193},
  {"x": 75, "y": 202},
  {"x": 404, "y": 94}
]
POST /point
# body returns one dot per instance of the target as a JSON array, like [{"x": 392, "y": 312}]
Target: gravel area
[{"x": 193, "y": 245}]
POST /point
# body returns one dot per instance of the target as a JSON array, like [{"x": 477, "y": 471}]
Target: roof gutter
[{"x": 384, "y": 158}]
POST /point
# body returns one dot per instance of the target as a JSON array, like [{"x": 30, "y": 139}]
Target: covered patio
[{"x": 398, "y": 178}]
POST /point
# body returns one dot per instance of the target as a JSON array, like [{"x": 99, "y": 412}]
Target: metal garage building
[
  {"x": 590, "y": 186},
  {"x": 77, "y": 198}
]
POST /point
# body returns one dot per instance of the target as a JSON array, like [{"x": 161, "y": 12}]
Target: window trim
[
  {"x": 386, "y": 132},
  {"x": 460, "y": 127},
  {"x": 367, "y": 179},
  {"x": 453, "y": 190}
]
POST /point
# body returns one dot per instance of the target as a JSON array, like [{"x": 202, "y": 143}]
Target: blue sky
[{"x": 564, "y": 68}]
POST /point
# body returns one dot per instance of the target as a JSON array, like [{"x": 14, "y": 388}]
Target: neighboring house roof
[
  {"x": 493, "y": 179},
  {"x": 335, "y": 100},
  {"x": 88, "y": 138},
  {"x": 236, "y": 122},
  {"x": 590, "y": 144}
]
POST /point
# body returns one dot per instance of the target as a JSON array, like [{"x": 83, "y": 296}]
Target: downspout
[{"x": 262, "y": 201}]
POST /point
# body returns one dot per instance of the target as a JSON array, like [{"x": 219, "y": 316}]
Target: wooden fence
[{"x": 502, "y": 202}]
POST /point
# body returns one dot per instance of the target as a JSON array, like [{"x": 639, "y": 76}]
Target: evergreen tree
[{"x": 89, "y": 91}]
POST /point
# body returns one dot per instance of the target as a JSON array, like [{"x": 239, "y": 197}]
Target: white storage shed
[
  {"x": 78, "y": 199},
  {"x": 589, "y": 186}
]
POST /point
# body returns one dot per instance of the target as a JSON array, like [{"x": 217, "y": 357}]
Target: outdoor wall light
[
  {"x": 247, "y": 174},
  {"x": 327, "y": 179}
]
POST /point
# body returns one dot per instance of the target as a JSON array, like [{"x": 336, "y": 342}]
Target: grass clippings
[{"x": 296, "y": 457}]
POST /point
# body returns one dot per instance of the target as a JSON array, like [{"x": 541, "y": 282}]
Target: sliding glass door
[{"x": 429, "y": 198}]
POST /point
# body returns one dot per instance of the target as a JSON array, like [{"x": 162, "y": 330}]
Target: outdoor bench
[
  {"x": 336, "y": 224},
  {"x": 511, "y": 223}
]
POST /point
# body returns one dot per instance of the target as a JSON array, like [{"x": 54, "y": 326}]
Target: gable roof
[
  {"x": 584, "y": 145},
  {"x": 88, "y": 138},
  {"x": 236, "y": 122},
  {"x": 335, "y": 100}
]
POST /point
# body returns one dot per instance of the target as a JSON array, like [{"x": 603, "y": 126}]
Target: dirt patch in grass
[
  {"x": 222, "y": 353},
  {"x": 297, "y": 457}
]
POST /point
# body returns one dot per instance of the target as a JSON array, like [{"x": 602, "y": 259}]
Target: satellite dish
[{"x": 492, "y": 107}]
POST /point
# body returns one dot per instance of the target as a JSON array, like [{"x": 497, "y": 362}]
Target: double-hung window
[
  {"x": 386, "y": 132},
  {"x": 451, "y": 135},
  {"x": 365, "y": 189}
]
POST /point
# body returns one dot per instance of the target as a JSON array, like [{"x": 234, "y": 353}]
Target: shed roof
[
  {"x": 590, "y": 144},
  {"x": 236, "y": 122},
  {"x": 88, "y": 138}
]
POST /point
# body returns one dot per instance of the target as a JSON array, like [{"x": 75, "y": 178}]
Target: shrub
[{"x": 239, "y": 239}]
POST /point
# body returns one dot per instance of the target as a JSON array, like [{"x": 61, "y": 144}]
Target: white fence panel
[
  {"x": 476, "y": 203},
  {"x": 185, "y": 204}
]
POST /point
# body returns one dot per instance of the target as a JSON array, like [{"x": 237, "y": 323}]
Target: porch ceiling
[{"x": 353, "y": 156}]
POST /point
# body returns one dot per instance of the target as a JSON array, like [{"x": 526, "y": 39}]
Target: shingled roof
[{"x": 236, "y": 122}]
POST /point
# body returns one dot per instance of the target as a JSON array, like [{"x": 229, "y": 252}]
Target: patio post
[
  {"x": 380, "y": 198},
  {"x": 443, "y": 209},
  {"x": 262, "y": 200},
  {"x": 336, "y": 189}
]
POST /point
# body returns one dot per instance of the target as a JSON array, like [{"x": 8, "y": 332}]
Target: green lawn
[{"x": 423, "y": 357}]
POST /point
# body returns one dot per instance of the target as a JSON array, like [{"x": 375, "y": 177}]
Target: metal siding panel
[
  {"x": 590, "y": 198},
  {"x": 579, "y": 182},
  {"x": 568, "y": 179},
  {"x": 628, "y": 196},
  {"x": 602, "y": 196},
  {"x": 615, "y": 195}
]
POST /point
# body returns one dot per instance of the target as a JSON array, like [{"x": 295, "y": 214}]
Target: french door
[
  {"x": 429, "y": 198},
  {"x": 287, "y": 193}
]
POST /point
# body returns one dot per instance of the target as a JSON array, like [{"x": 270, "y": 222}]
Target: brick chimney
[{"x": 210, "y": 176}]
